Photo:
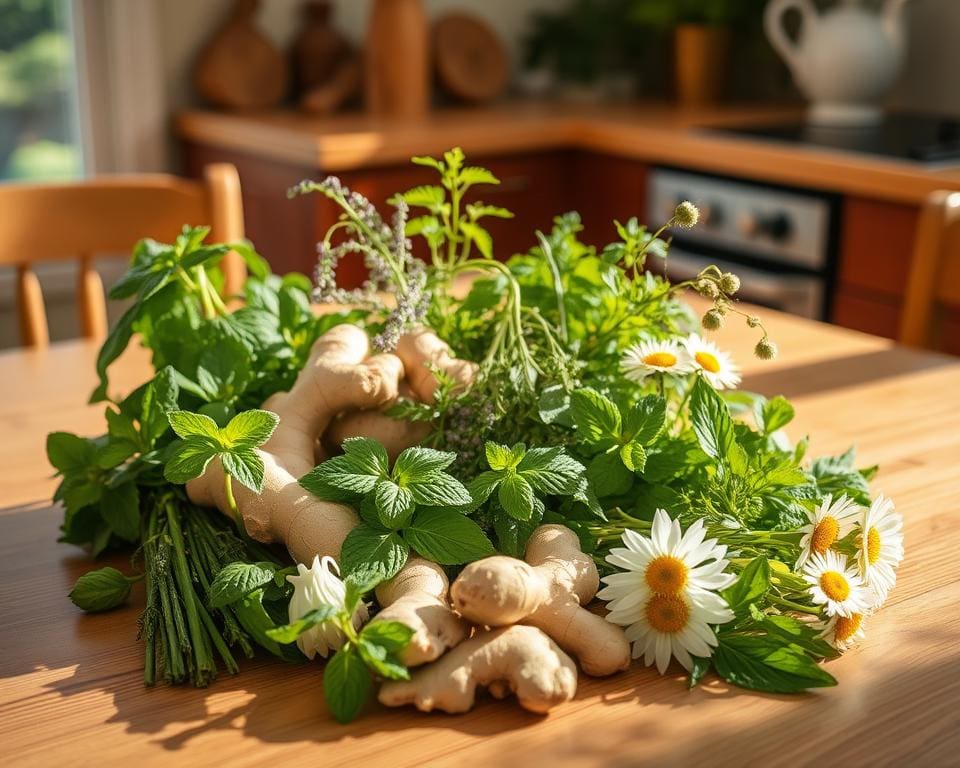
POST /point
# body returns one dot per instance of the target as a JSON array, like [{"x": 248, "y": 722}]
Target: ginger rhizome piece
[
  {"x": 548, "y": 590},
  {"x": 340, "y": 377},
  {"x": 518, "y": 659}
]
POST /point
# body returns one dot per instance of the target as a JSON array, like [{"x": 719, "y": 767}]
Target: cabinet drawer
[{"x": 876, "y": 244}]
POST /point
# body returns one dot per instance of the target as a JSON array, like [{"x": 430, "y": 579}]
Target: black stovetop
[{"x": 921, "y": 138}]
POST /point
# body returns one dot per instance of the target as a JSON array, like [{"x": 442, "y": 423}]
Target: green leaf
[
  {"x": 480, "y": 210},
  {"x": 251, "y": 429},
  {"x": 700, "y": 668},
  {"x": 288, "y": 633},
  {"x": 440, "y": 490},
  {"x": 100, "y": 590},
  {"x": 775, "y": 414},
  {"x": 392, "y": 635},
  {"x": 551, "y": 470},
  {"x": 447, "y": 538},
  {"x": 189, "y": 461},
  {"x": 113, "y": 347},
  {"x": 394, "y": 504},
  {"x": 797, "y": 633},
  {"x": 187, "y": 424},
  {"x": 553, "y": 406},
  {"x": 516, "y": 497},
  {"x": 160, "y": 397},
  {"x": 417, "y": 462},
  {"x": 366, "y": 548},
  {"x": 256, "y": 621},
  {"x": 69, "y": 453},
  {"x": 475, "y": 175},
  {"x": 644, "y": 421},
  {"x": 761, "y": 664},
  {"x": 596, "y": 417},
  {"x": 237, "y": 580},
  {"x": 343, "y": 472},
  {"x": 357, "y": 584},
  {"x": 752, "y": 584},
  {"x": 483, "y": 485},
  {"x": 430, "y": 162},
  {"x": 500, "y": 457},
  {"x": 245, "y": 466},
  {"x": 713, "y": 427},
  {"x": 120, "y": 509},
  {"x": 426, "y": 196},
  {"x": 366, "y": 455},
  {"x": 479, "y": 236},
  {"x": 346, "y": 684},
  {"x": 634, "y": 456},
  {"x": 608, "y": 475},
  {"x": 379, "y": 660}
]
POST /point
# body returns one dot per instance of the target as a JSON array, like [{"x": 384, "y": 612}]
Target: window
[{"x": 39, "y": 125}]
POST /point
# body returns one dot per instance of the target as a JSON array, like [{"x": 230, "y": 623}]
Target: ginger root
[
  {"x": 517, "y": 659},
  {"x": 547, "y": 591}
]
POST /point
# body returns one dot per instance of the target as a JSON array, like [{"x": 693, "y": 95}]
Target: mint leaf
[
  {"x": 346, "y": 683},
  {"x": 366, "y": 548},
  {"x": 250, "y": 429},
  {"x": 100, "y": 590},
  {"x": 775, "y": 414},
  {"x": 288, "y": 633},
  {"x": 394, "y": 504},
  {"x": 701, "y": 666},
  {"x": 483, "y": 485},
  {"x": 414, "y": 463},
  {"x": 68, "y": 453},
  {"x": 596, "y": 417},
  {"x": 188, "y": 462},
  {"x": 500, "y": 457},
  {"x": 319, "y": 487},
  {"x": 245, "y": 466},
  {"x": 644, "y": 421},
  {"x": 713, "y": 427},
  {"x": 439, "y": 489},
  {"x": 366, "y": 455},
  {"x": 392, "y": 635},
  {"x": 379, "y": 660},
  {"x": 634, "y": 456},
  {"x": 120, "y": 509},
  {"x": 752, "y": 584},
  {"x": 237, "y": 580},
  {"x": 159, "y": 398},
  {"x": 553, "y": 406},
  {"x": 516, "y": 497},
  {"x": 551, "y": 470},
  {"x": 447, "y": 538},
  {"x": 762, "y": 664},
  {"x": 345, "y": 473},
  {"x": 608, "y": 475},
  {"x": 187, "y": 424}
]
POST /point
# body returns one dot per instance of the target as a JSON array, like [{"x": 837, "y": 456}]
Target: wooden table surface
[{"x": 70, "y": 684}]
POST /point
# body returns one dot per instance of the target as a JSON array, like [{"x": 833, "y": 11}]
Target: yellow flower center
[
  {"x": 835, "y": 586},
  {"x": 667, "y": 613},
  {"x": 845, "y": 628},
  {"x": 873, "y": 545},
  {"x": 824, "y": 534},
  {"x": 708, "y": 362},
  {"x": 666, "y": 575},
  {"x": 660, "y": 359}
]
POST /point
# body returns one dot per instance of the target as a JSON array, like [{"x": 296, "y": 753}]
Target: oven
[{"x": 781, "y": 242}]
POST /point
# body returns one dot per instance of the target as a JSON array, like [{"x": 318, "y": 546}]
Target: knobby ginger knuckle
[
  {"x": 518, "y": 659},
  {"x": 548, "y": 591}
]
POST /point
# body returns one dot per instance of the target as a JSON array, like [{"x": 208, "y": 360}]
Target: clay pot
[
  {"x": 319, "y": 49},
  {"x": 701, "y": 63}
]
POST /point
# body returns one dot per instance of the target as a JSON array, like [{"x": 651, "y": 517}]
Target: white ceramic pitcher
[{"x": 844, "y": 60}]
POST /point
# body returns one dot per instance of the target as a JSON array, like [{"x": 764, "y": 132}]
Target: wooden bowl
[{"x": 471, "y": 62}]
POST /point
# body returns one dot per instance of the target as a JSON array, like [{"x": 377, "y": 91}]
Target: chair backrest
[
  {"x": 78, "y": 220},
  {"x": 934, "y": 269}
]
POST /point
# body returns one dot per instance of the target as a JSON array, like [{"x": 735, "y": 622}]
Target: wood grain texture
[
  {"x": 71, "y": 690},
  {"x": 652, "y": 133}
]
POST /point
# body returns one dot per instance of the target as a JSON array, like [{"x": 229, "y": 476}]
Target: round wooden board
[{"x": 470, "y": 60}]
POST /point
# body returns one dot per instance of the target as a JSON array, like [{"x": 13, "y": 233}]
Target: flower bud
[
  {"x": 711, "y": 320},
  {"x": 765, "y": 349},
  {"x": 753, "y": 321},
  {"x": 686, "y": 215},
  {"x": 707, "y": 288},
  {"x": 729, "y": 283}
]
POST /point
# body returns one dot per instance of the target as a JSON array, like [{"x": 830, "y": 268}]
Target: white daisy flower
[
  {"x": 842, "y": 632},
  {"x": 881, "y": 546},
  {"x": 649, "y": 356},
  {"x": 715, "y": 365},
  {"x": 828, "y": 523},
  {"x": 666, "y": 595},
  {"x": 320, "y": 584},
  {"x": 836, "y": 585}
]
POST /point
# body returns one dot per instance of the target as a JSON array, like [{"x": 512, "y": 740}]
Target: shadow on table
[{"x": 843, "y": 372}]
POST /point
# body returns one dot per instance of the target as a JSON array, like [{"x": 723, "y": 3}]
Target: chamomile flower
[
  {"x": 880, "y": 546},
  {"x": 828, "y": 523},
  {"x": 649, "y": 357},
  {"x": 837, "y": 585},
  {"x": 842, "y": 632},
  {"x": 320, "y": 584},
  {"x": 666, "y": 595},
  {"x": 715, "y": 365}
]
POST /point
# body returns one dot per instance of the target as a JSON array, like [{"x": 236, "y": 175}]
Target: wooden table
[{"x": 71, "y": 690}]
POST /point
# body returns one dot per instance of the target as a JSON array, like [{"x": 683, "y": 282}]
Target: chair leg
[
  {"x": 92, "y": 305},
  {"x": 30, "y": 308}
]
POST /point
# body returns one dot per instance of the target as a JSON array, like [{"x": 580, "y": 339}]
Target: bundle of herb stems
[{"x": 184, "y": 547}]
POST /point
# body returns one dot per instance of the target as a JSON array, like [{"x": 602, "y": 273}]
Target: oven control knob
[
  {"x": 711, "y": 214},
  {"x": 776, "y": 226}
]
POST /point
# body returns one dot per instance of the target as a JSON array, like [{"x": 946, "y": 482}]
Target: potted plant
[{"x": 702, "y": 34}]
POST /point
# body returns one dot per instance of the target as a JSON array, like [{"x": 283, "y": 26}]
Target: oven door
[{"x": 797, "y": 294}]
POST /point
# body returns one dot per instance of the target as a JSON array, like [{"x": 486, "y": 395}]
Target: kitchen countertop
[
  {"x": 71, "y": 690},
  {"x": 654, "y": 133}
]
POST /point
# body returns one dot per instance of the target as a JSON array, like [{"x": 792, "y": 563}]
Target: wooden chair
[
  {"x": 934, "y": 269},
  {"x": 77, "y": 220}
]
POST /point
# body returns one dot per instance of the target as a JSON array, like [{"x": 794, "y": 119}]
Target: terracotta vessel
[
  {"x": 701, "y": 61},
  {"x": 397, "y": 71}
]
